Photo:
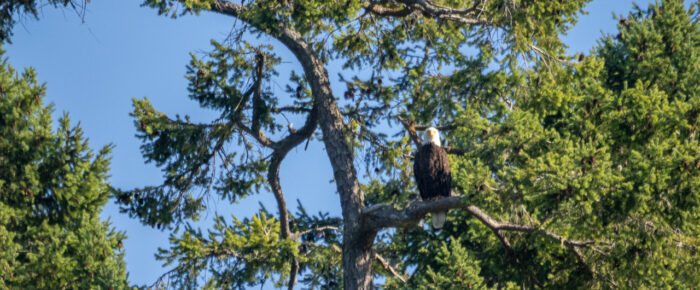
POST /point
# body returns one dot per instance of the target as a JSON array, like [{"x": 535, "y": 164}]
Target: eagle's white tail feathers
[{"x": 439, "y": 219}]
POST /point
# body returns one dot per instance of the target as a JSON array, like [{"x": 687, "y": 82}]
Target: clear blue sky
[{"x": 123, "y": 51}]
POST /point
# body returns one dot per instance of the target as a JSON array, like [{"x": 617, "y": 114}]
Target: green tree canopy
[
  {"x": 10, "y": 10},
  {"x": 568, "y": 171},
  {"x": 52, "y": 189}
]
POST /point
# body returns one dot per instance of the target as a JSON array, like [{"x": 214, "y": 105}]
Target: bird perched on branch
[{"x": 431, "y": 169}]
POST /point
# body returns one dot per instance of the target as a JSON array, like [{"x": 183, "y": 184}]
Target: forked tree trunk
[{"x": 357, "y": 242}]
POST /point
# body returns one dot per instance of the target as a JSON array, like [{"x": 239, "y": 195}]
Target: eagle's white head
[{"x": 431, "y": 135}]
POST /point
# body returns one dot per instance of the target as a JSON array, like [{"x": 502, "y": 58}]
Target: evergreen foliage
[
  {"x": 10, "y": 10},
  {"x": 52, "y": 189},
  {"x": 594, "y": 164}
]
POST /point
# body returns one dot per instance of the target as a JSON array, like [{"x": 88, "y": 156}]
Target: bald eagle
[{"x": 431, "y": 169}]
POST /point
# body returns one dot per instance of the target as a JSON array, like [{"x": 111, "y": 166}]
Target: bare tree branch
[
  {"x": 259, "y": 136},
  {"x": 209, "y": 255},
  {"x": 281, "y": 148},
  {"x": 385, "y": 215},
  {"x": 257, "y": 91},
  {"x": 386, "y": 11},
  {"x": 441, "y": 128},
  {"x": 164, "y": 275},
  {"x": 298, "y": 235},
  {"x": 293, "y": 109},
  {"x": 455, "y": 151},
  {"x": 411, "y": 128},
  {"x": 428, "y": 9},
  {"x": 438, "y": 10},
  {"x": 389, "y": 268}
]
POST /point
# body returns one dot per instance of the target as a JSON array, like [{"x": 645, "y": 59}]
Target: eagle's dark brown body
[{"x": 432, "y": 171}]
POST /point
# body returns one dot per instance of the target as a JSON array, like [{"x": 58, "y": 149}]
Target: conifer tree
[
  {"x": 567, "y": 171},
  {"x": 11, "y": 10},
  {"x": 52, "y": 189}
]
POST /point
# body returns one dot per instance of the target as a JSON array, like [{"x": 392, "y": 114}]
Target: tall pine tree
[
  {"x": 52, "y": 189},
  {"x": 569, "y": 172}
]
